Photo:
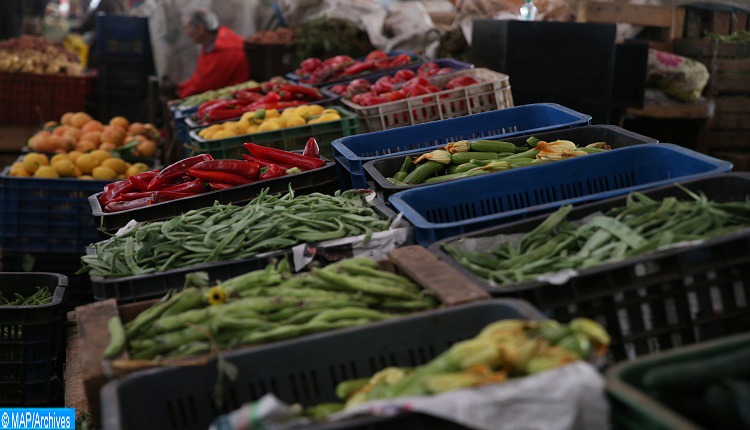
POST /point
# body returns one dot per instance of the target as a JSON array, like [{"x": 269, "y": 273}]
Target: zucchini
[
  {"x": 444, "y": 178},
  {"x": 465, "y": 157},
  {"x": 401, "y": 174},
  {"x": 532, "y": 141},
  {"x": 492, "y": 146},
  {"x": 423, "y": 171},
  {"x": 461, "y": 168},
  {"x": 522, "y": 162},
  {"x": 453, "y": 168}
]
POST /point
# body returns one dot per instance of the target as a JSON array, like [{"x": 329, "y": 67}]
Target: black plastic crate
[
  {"x": 652, "y": 302},
  {"x": 322, "y": 180},
  {"x": 378, "y": 170},
  {"x": 77, "y": 293},
  {"x": 31, "y": 341},
  {"x": 121, "y": 35},
  {"x": 304, "y": 370},
  {"x": 142, "y": 287},
  {"x": 123, "y": 78}
]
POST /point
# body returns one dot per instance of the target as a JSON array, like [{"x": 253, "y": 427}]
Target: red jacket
[{"x": 224, "y": 65}]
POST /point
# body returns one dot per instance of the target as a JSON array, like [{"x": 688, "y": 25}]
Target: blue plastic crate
[
  {"x": 458, "y": 207},
  {"x": 353, "y": 152},
  {"x": 418, "y": 60},
  {"x": 46, "y": 215},
  {"x": 122, "y": 35},
  {"x": 442, "y": 62}
]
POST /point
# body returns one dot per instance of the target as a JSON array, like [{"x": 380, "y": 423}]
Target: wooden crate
[
  {"x": 415, "y": 262},
  {"x": 728, "y": 63},
  {"x": 740, "y": 160},
  {"x": 729, "y": 127},
  {"x": 698, "y": 21}
]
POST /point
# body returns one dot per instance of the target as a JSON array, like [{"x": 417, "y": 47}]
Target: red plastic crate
[{"x": 28, "y": 99}]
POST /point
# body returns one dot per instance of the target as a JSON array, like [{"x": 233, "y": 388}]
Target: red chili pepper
[
  {"x": 222, "y": 114},
  {"x": 312, "y": 93},
  {"x": 227, "y": 178},
  {"x": 462, "y": 81},
  {"x": 218, "y": 186},
  {"x": 195, "y": 186},
  {"x": 272, "y": 171},
  {"x": 176, "y": 170},
  {"x": 126, "y": 197},
  {"x": 270, "y": 97},
  {"x": 140, "y": 181},
  {"x": 290, "y": 158},
  {"x": 373, "y": 55},
  {"x": 127, "y": 205},
  {"x": 247, "y": 169},
  {"x": 247, "y": 96},
  {"x": 220, "y": 105},
  {"x": 265, "y": 163},
  {"x": 311, "y": 64},
  {"x": 165, "y": 196},
  {"x": 400, "y": 60},
  {"x": 404, "y": 75},
  {"x": 311, "y": 148},
  {"x": 202, "y": 108},
  {"x": 359, "y": 68},
  {"x": 114, "y": 189}
]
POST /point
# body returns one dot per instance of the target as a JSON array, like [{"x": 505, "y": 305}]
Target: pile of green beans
[
  {"x": 42, "y": 296},
  {"x": 268, "y": 305},
  {"x": 643, "y": 225},
  {"x": 225, "y": 232}
]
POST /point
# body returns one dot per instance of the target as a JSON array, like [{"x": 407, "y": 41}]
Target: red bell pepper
[
  {"x": 394, "y": 95},
  {"x": 140, "y": 181},
  {"x": 248, "y": 169},
  {"x": 195, "y": 186},
  {"x": 311, "y": 148},
  {"x": 462, "y": 81},
  {"x": 418, "y": 80},
  {"x": 227, "y": 178},
  {"x": 404, "y": 75},
  {"x": 218, "y": 186},
  {"x": 127, "y": 205},
  {"x": 294, "y": 160},
  {"x": 372, "y": 100},
  {"x": 114, "y": 189},
  {"x": 428, "y": 69},
  {"x": 272, "y": 171},
  {"x": 175, "y": 171}
]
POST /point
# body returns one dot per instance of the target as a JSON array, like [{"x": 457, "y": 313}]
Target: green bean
[
  {"x": 355, "y": 285},
  {"x": 116, "y": 337}
]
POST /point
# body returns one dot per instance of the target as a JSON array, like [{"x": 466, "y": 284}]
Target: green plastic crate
[
  {"x": 288, "y": 139},
  {"x": 634, "y": 408}
]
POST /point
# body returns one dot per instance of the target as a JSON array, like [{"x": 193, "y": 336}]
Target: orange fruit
[
  {"x": 121, "y": 122},
  {"x": 100, "y": 155},
  {"x": 65, "y": 168},
  {"x": 50, "y": 125},
  {"x": 85, "y": 146},
  {"x": 117, "y": 164},
  {"x": 93, "y": 136},
  {"x": 47, "y": 143},
  {"x": 73, "y": 132},
  {"x": 66, "y": 118},
  {"x": 79, "y": 119},
  {"x": 92, "y": 125},
  {"x": 61, "y": 130},
  {"x": 35, "y": 139},
  {"x": 107, "y": 146},
  {"x": 137, "y": 128},
  {"x": 86, "y": 163},
  {"x": 146, "y": 148},
  {"x": 68, "y": 142},
  {"x": 58, "y": 157},
  {"x": 17, "y": 169},
  {"x": 102, "y": 173},
  {"x": 112, "y": 134}
]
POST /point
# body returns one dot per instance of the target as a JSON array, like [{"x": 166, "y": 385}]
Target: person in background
[
  {"x": 222, "y": 59},
  {"x": 11, "y": 18},
  {"x": 89, "y": 17}
]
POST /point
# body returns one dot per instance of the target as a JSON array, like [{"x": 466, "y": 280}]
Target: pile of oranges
[
  {"x": 80, "y": 132},
  {"x": 95, "y": 165}
]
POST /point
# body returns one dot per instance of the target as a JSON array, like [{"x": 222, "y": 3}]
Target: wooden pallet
[
  {"x": 729, "y": 128},
  {"x": 423, "y": 267},
  {"x": 728, "y": 63},
  {"x": 698, "y": 21}
]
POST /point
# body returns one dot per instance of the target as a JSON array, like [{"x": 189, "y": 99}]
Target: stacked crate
[
  {"x": 123, "y": 57},
  {"x": 727, "y": 134}
]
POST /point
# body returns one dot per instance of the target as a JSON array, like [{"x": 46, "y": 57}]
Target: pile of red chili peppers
[
  {"x": 201, "y": 173},
  {"x": 385, "y": 83},
  {"x": 362, "y": 93},
  {"x": 269, "y": 95},
  {"x": 316, "y": 71}
]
